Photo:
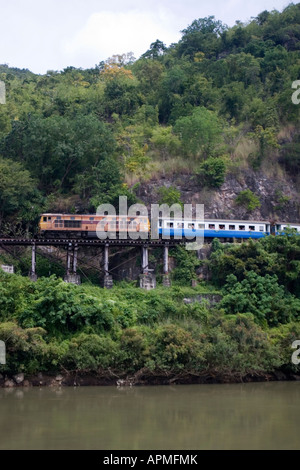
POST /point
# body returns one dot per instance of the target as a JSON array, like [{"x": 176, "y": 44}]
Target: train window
[
  {"x": 58, "y": 217},
  {"x": 261, "y": 228},
  {"x": 251, "y": 228},
  {"x": 222, "y": 227},
  {"x": 180, "y": 225},
  {"x": 201, "y": 226},
  {"x": 170, "y": 224},
  {"x": 58, "y": 223},
  {"x": 191, "y": 226},
  {"x": 49, "y": 218},
  {"x": 72, "y": 218},
  {"x": 231, "y": 227},
  {"x": 241, "y": 227},
  {"x": 72, "y": 223},
  {"x": 211, "y": 226},
  {"x": 160, "y": 223},
  {"x": 44, "y": 219}
]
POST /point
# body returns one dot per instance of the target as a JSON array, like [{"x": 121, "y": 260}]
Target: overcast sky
[{"x": 46, "y": 35}]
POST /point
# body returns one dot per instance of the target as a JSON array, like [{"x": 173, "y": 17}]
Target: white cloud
[{"x": 106, "y": 33}]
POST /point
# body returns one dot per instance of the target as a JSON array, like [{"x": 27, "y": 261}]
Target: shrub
[
  {"x": 172, "y": 348},
  {"x": 212, "y": 172},
  {"x": 261, "y": 296},
  {"x": 248, "y": 200},
  {"x": 169, "y": 196},
  {"x": 90, "y": 352}
]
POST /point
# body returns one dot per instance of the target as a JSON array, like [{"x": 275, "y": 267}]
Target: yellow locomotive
[{"x": 86, "y": 226}]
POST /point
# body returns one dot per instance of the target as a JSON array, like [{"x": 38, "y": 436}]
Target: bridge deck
[{"x": 86, "y": 242}]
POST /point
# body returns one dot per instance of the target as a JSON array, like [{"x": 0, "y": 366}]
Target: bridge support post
[
  {"x": 69, "y": 254},
  {"x": 33, "y": 276},
  {"x": 166, "y": 276},
  {"x": 147, "y": 279},
  {"x": 145, "y": 259},
  {"x": 108, "y": 280},
  {"x": 71, "y": 275},
  {"x": 75, "y": 253}
]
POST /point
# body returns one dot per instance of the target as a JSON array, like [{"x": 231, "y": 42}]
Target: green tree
[
  {"x": 55, "y": 149},
  {"x": 16, "y": 187},
  {"x": 156, "y": 50},
  {"x": 261, "y": 296},
  {"x": 202, "y": 35},
  {"x": 199, "y": 133},
  {"x": 165, "y": 141}
]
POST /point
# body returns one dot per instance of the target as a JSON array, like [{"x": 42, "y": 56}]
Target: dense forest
[
  {"x": 218, "y": 101},
  {"x": 215, "y": 104}
]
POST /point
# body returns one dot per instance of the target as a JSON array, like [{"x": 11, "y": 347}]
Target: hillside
[
  {"x": 204, "y": 119},
  {"x": 207, "y": 120}
]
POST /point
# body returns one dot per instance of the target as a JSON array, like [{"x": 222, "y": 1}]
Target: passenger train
[{"x": 85, "y": 226}]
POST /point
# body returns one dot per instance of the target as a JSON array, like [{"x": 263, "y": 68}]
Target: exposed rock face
[{"x": 279, "y": 198}]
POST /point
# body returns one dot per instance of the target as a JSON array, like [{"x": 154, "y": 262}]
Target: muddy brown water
[{"x": 181, "y": 417}]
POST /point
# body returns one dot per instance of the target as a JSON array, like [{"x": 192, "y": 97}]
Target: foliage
[
  {"x": 261, "y": 296},
  {"x": 169, "y": 196},
  {"x": 79, "y": 132},
  {"x": 127, "y": 330},
  {"x": 248, "y": 200},
  {"x": 278, "y": 256},
  {"x": 164, "y": 140},
  {"x": 266, "y": 139},
  {"x": 88, "y": 352},
  {"x": 212, "y": 172},
  {"x": 16, "y": 185},
  {"x": 186, "y": 262},
  {"x": 199, "y": 133},
  {"x": 56, "y": 148}
]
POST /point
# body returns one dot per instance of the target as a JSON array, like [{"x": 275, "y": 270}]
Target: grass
[{"x": 158, "y": 168}]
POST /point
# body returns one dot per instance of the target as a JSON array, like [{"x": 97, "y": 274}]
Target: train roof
[{"x": 205, "y": 219}]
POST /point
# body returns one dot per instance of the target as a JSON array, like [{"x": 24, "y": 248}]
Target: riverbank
[
  {"x": 61, "y": 334},
  {"x": 141, "y": 378}
]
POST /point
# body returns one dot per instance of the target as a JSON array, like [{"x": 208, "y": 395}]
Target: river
[{"x": 181, "y": 417}]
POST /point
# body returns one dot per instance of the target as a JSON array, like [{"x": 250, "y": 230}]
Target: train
[{"x": 86, "y": 226}]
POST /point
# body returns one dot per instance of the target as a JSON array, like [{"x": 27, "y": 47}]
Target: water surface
[{"x": 182, "y": 417}]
